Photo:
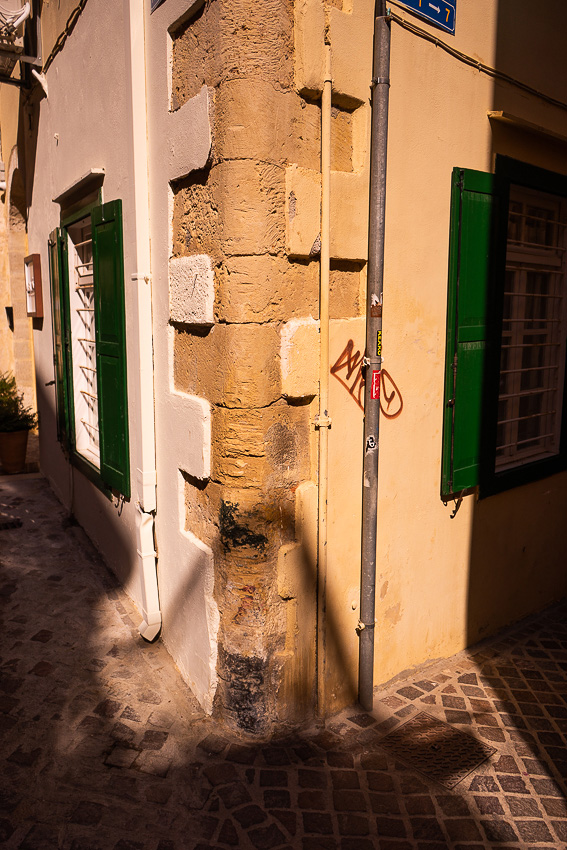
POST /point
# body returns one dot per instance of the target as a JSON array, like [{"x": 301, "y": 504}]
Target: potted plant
[{"x": 16, "y": 421}]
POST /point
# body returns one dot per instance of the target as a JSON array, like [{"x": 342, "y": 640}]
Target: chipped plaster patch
[
  {"x": 191, "y": 290},
  {"x": 299, "y": 352}
]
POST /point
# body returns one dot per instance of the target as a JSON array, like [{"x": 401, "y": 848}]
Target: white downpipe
[{"x": 141, "y": 349}]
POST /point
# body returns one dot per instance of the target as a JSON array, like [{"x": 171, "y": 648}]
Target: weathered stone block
[
  {"x": 266, "y": 448},
  {"x": 349, "y": 213},
  {"x": 266, "y": 288},
  {"x": 309, "y": 34},
  {"x": 231, "y": 365},
  {"x": 351, "y": 34},
  {"x": 302, "y": 211},
  {"x": 191, "y": 290},
  {"x": 255, "y": 120},
  {"x": 251, "y": 207}
]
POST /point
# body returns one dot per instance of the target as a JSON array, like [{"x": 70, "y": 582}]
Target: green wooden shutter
[
  {"x": 471, "y": 267},
  {"x": 60, "y": 335},
  {"x": 108, "y": 268}
]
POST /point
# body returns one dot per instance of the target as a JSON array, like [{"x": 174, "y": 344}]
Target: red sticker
[{"x": 375, "y": 387}]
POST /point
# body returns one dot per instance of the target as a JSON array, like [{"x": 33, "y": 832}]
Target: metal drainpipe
[
  {"x": 323, "y": 420},
  {"x": 373, "y": 359}
]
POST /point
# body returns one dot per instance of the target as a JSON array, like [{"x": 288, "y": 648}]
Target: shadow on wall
[{"x": 517, "y": 555}]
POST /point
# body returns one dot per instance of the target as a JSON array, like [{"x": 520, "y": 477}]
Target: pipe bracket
[{"x": 322, "y": 421}]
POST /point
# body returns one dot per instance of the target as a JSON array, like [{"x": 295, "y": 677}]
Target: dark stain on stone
[
  {"x": 234, "y": 533},
  {"x": 243, "y": 689}
]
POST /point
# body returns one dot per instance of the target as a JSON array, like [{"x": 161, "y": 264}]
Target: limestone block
[
  {"x": 252, "y": 377},
  {"x": 186, "y": 423},
  {"x": 251, "y": 206},
  {"x": 264, "y": 288},
  {"x": 232, "y": 365},
  {"x": 351, "y": 34},
  {"x": 189, "y": 136},
  {"x": 302, "y": 211},
  {"x": 300, "y": 358},
  {"x": 191, "y": 290},
  {"x": 261, "y": 448},
  {"x": 349, "y": 213},
  {"x": 255, "y": 120},
  {"x": 297, "y": 563},
  {"x": 309, "y": 33}
]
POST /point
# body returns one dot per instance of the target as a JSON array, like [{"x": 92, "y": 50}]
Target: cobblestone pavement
[{"x": 104, "y": 747}]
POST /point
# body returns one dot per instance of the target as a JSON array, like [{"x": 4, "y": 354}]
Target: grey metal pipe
[{"x": 373, "y": 359}]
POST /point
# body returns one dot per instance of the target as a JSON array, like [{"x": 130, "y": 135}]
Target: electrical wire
[{"x": 474, "y": 63}]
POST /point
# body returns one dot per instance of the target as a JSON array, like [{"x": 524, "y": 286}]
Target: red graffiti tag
[
  {"x": 350, "y": 365},
  {"x": 349, "y": 371}
]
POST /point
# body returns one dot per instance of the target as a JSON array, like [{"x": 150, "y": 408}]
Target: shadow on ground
[{"x": 104, "y": 746}]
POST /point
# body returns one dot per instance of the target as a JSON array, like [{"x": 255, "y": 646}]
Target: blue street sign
[
  {"x": 155, "y": 4},
  {"x": 438, "y": 12}
]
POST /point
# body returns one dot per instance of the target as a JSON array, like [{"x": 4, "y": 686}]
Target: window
[
  {"x": 87, "y": 286},
  {"x": 505, "y": 399},
  {"x": 533, "y": 329}
]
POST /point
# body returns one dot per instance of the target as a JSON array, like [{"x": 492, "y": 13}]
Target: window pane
[
  {"x": 533, "y": 330},
  {"x": 81, "y": 299}
]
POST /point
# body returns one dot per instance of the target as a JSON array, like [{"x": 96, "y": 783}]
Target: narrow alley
[{"x": 105, "y": 748}]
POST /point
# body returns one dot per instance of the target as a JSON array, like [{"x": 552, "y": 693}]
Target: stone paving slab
[{"x": 104, "y": 747}]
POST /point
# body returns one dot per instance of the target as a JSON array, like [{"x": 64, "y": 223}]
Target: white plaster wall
[
  {"x": 179, "y": 143},
  {"x": 86, "y": 123}
]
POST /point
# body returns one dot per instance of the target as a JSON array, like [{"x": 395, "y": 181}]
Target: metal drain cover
[{"x": 436, "y": 749}]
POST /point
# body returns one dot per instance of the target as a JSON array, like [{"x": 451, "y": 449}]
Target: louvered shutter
[
  {"x": 108, "y": 269},
  {"x": 474, "y": 210}
]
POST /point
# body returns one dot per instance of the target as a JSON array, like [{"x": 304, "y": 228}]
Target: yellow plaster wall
[
  {"x": 442, "y": 583},
  {"x": 9, "y": 97},
  {"x": 16, "y": 346}
]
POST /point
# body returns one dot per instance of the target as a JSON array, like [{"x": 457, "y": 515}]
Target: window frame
[
  {"x": 485, "y": 479},
  {"x": 64, "y": 385}
]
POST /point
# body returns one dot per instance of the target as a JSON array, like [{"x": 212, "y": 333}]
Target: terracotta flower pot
[{"x": 13, "y": 447}]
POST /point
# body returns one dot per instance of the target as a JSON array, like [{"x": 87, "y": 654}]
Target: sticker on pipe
[{"x": 375, "y": 385}]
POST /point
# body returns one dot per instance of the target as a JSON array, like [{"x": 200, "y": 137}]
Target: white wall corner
[
  {"x": 189, "y": 134},
  {"x": 191, "y": 290},
  {"x": 299, "y": 357}
]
